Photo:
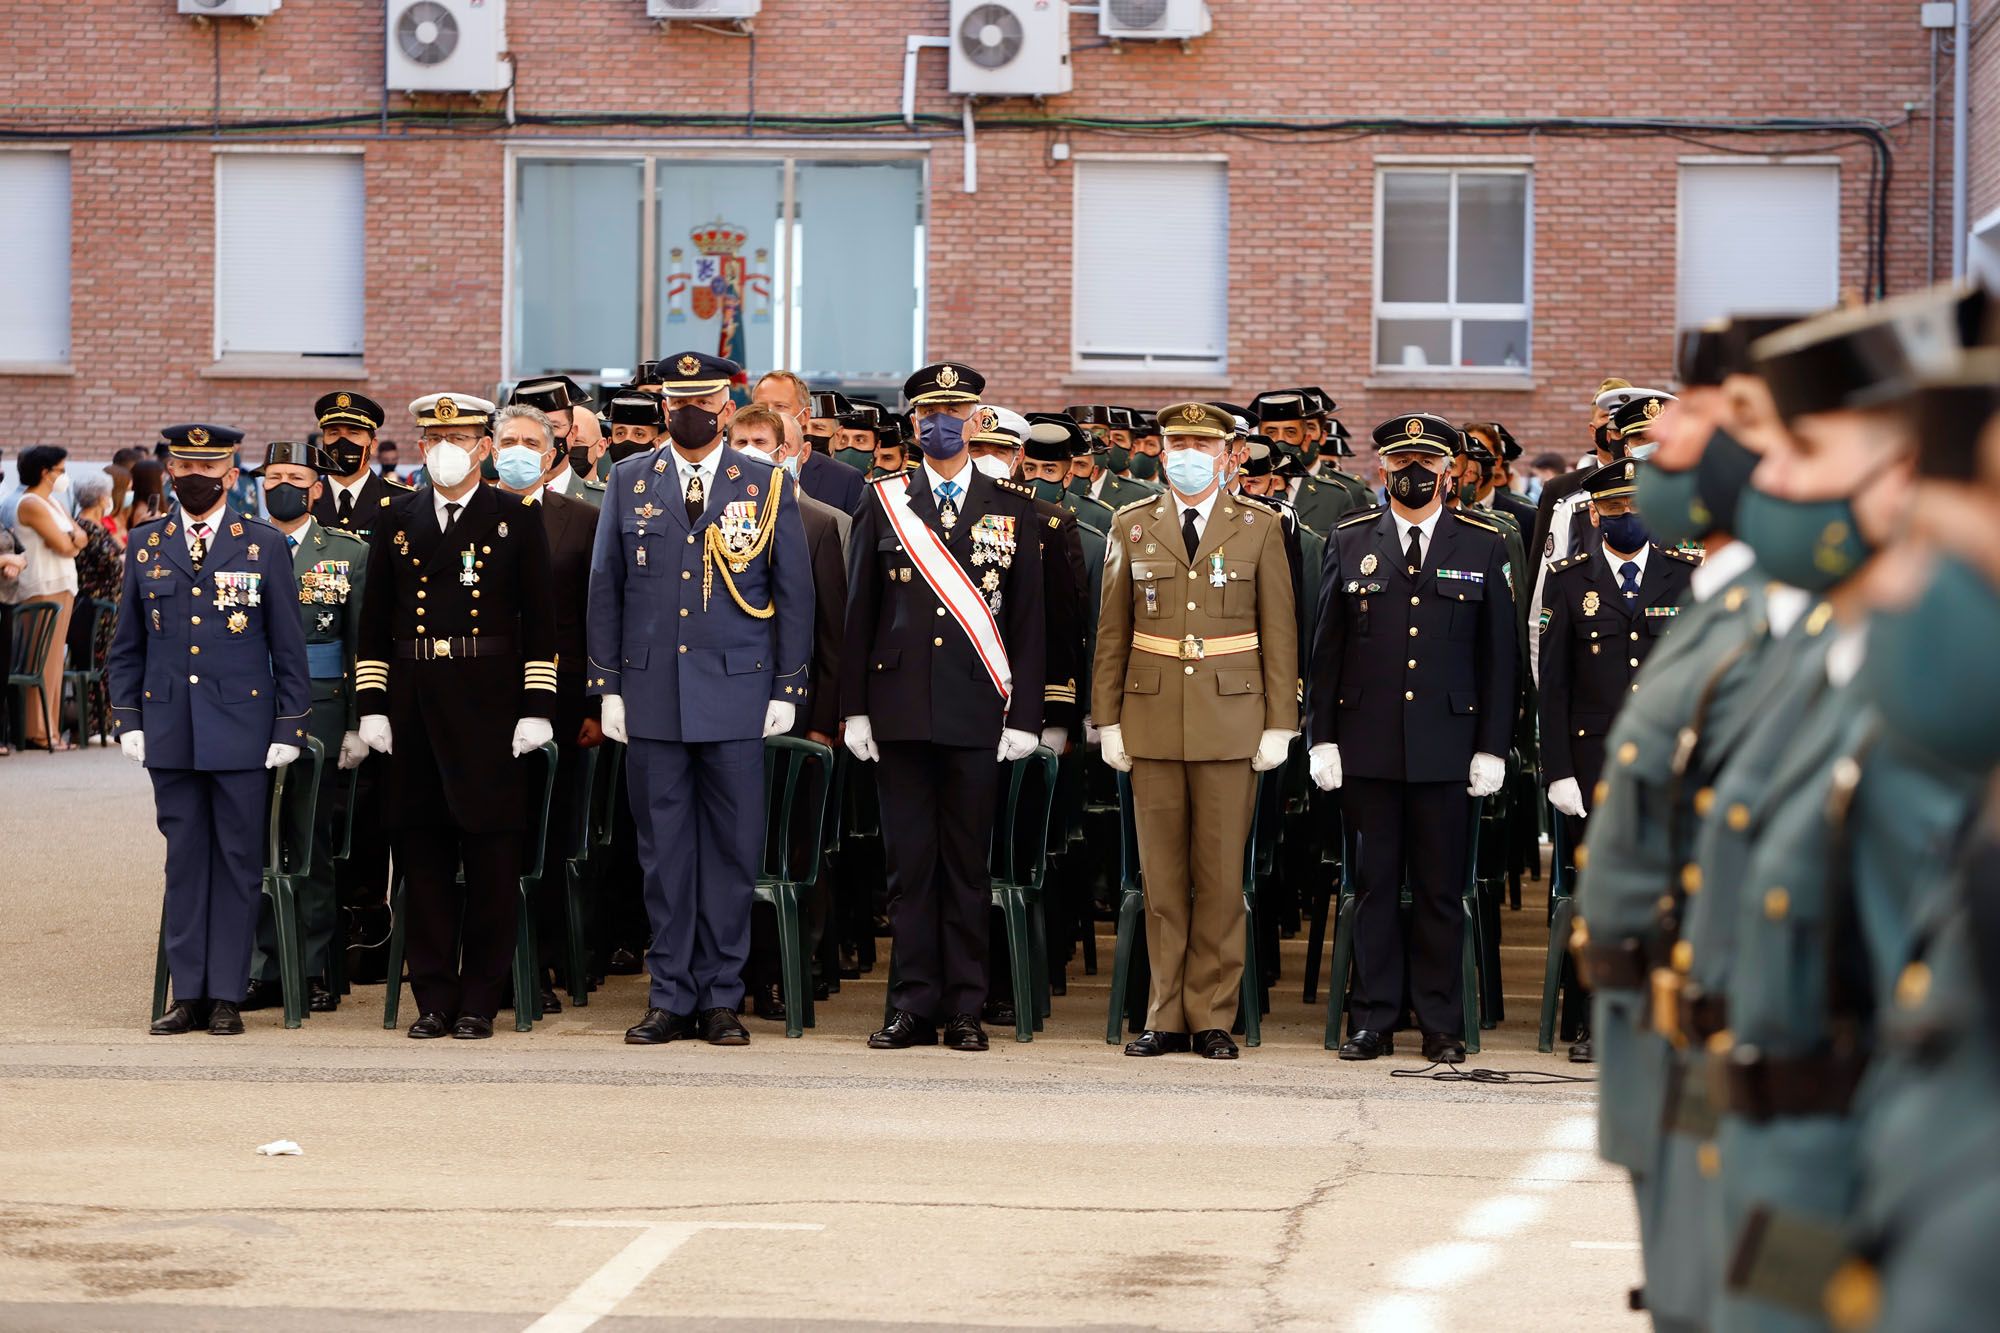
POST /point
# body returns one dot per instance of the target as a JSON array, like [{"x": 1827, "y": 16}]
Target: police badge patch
[{"x": 1368, "y": 563}]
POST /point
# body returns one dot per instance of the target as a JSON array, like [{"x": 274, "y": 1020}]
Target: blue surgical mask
[
  {"x": 1623, "y": 532},
  {"x": 941, "y": 436},
  {"x": 1930, "y": 665},
  {"x": 519, "y": 466},
  {"x": 1190, "y": 471},
  {"x": 791, "y": 467}
]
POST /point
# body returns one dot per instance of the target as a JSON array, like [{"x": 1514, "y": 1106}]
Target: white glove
[
  {"x": 1567, "y": 797},
  {"x": 352, "y": 750},
  {"x": 1272, "y": 747},
  {"x": 1016, "y": 744},
  {"x": 611, "y": 717},
  {"x": 1090, "y": 732},
  {"x": 778, "y": 717},
  {"x": 1323, "y": 762},
  {"x": 374, "y": 733},
  {"x": 1489, "y": 771},
  {"x": 280, "y": 755},
  {"x": 1056, "y": 738},
  {"x": 861, "y": 739},
  {"x": 133, "y": 743},
  {"x": 1111, "y": 744},
  {"x": 531, "y": 732}
]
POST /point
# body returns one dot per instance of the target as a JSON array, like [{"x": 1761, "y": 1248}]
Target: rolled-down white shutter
[
  {"x": 290, "y": 233},
  {"x": 34, "y": 257},
  {"x": 1152, "y": 264},
  {"x": 1758, "y": 239}
]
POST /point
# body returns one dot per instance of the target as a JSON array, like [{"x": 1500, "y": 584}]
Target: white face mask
[
  {"x": 993, "y": 467},
  {"x": 448, "y": 464}
]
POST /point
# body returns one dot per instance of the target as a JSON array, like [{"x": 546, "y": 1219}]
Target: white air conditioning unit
[
  {"x": 230, "y": 9},
  {"x": 448, "y": 46},
  {"x": 668, "y": 10},
  {"x": 1010, "y": 48},
  {"x": 1157, "y": 20}
]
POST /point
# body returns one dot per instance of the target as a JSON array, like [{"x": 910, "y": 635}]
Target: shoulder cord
[{"x": 715, "y": 553}]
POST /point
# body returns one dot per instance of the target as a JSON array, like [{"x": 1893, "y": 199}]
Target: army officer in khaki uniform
[{"x": 1196, "y": 691}]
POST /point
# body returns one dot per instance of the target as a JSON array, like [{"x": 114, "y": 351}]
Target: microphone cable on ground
[{"x": 1445, "y": 1073}]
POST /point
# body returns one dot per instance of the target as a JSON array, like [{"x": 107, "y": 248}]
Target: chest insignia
[
  {"x": 1368, "y": 563},
  {"x": 1591, "y": 602}
]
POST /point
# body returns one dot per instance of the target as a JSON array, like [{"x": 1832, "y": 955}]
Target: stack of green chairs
[
  {"x": 590, "y": 844},
  {"x": 85, "y": 683},
  {"x": 34, "y": 631},
  {"x": 1018, "y": 865},
  {"x": 788, "y": 825},
  {"x": 336, "y": 955}
]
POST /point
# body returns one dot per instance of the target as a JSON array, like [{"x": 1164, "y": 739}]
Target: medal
[
  {"x": 253, "y": 550},
  {"x": 238, "y": 622},
  {"x": 466, "y": 576},
  {"x": 1152, "y": 600},
  {"x": 142, "y": 555},
  {"x": 325, "y": 621},
  {"x": 1368, "y": 563},
  {"x": 1590, "y": 602},
  {"x": 1216, "y": 578},
  {"x": 639, "y": 554},
  {"x": 501, "y": 530}
]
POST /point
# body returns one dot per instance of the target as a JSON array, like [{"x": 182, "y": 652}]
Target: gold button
[
  {"x": 1777, "y": 904},
  {"x": 1704, "y": 801},
  {"x": 1682, "y": 957},
  {"x": 420, "y": 594},
  {"x": 1734, "y": 600},
  {"x": 691, "y": 543},
  {"x": 1721, "y": 1043},
  {"x": 1628, "y": 752},
  {"x": 197, "y": 592},
  {"x": 1190, "y": 574},
  {"x": 479, "y": 564},
  {"x": 474, "y": 613},
  {"x": 1413, "y": 631},
  {"x": 194, "y": 620},
  {"x": 1187, "y": 670},
  {"x": 194, "y": 680},
  {"x": 424, "y": 578},
  {"x": 1599, "y": 792},
  {"x": 475, "y": 592},
  {"x": 1593, "y": 634},
  {"x": 686, "y": 574},
  {"x": 684, "y": 647},
  {"x": 1634, "y": 661},
  {"x": 1413, "y": 664},
  {"x": 1635, "y": 636},
  {"x": 1852, "y": 1297},
  {"x": 1409, "y": 694},
  {"x": 1579, "y": 731},
  {"x": 1190, "y": 606},
  {"x": 1709, "y": 1158},
  {"x": 253, "y": 694},
  {"x": 195, "y": 648},
  {"x": 420, "y": 629},
  {"x": 149, "y": 694},
  {"x": 1739, "y": 817},
  {"x": 1581, "y": 856},
  {"x": 1416, "y": 601},
  {"x": 486, "y": 550},
  {"x": 684, "y": 611},
  {"x": 937, "y": 643},
  {"x": 1912, "y": 985},
  {"x": 1691, "y": 877}
]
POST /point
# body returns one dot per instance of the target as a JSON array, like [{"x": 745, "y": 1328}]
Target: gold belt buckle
[
  {"x": 1666, "y": 990},
  {"x": 441, "y": 648},
  {"x": 1193, "y": 649}
]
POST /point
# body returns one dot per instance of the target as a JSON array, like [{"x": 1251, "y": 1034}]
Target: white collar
[
  {"x": 1617, "y": 570},
  {"x": 464, "y": 502},
  {"x": 1719, "y": 569},
  {"x": 341, "y": 488},
  {"x": 1201, "y": 511},
  {"x": 560, "y": 483},
  {"x": 934, "y": 479},
  {"x": 1428, "y": 527},
  {"x": 704, "y": 467}
]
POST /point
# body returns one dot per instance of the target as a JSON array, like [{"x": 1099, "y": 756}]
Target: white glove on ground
[
  {"x": 280, "y": 755},
  {"x": 1489, "y": 771},
  {"x": 133, "y": 743},
  {"x": 1323, "y": 762},
  {"x": 1272, "y": 747},
  {"x": 779, "y": 716},
  {"x": 860, "y": 739},
  {"x": 1567, "y": 797},
  {"x": 1111, "y": 744},
  {"x": 611, "y": 717},
  {"x": 1056, "y": 738},
  {"x": 531, "y": 732},
  {"x": 352, "y": 750},
  {"x": 1016, "y": 744},
  {"x": 374, "y": 733}
]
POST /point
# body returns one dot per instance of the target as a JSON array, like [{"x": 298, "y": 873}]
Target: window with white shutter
[
  {"x": 34, "y": 259},
  {"x": 290, "y": 233},
  {"x": 1757, "y": 238},
  {"x": 1150, "y": 287}
]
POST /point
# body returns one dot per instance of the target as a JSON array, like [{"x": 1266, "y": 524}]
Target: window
[
  {"x": 576, "y": 267},
  {"x": 1453, "y": 269},
  {"x": 289, "y": 273},
  {"x": 1150, "y": 284},
  {"x": 1757, "y": 238},
  {"x": 34, "y": 261}
]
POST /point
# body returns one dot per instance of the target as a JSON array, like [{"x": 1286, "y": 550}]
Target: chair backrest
[
  {"x": 1472, "y": 820},
  {"x": 1562, "y": 865},
  {"x": 102, "y": 616},
  {"x": 540, "y": 817},
  {"x": 294, "y": 809},
  {"x": 604, "y": 792},
  {"x": 34, "y": 630},
  {"x": 1254, "y": 860},
  {"x": 1020, "y": 851},
  {"x": 1128, "y": 837},
  {"x": 795, "y": 833}
]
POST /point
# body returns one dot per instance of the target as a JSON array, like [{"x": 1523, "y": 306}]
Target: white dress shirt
[
  {"x": 937, "y": 480},
  {"x": 703, "y": 467},
  {"x": 1423, "y": 530},
  {"x": 337, "y": 488},
  {"x": 1617, "y": 563},
  {"x": 208, "y": 520},
  {"x": 438, "y": 502},
  {"x": 1201, "y": 513}
]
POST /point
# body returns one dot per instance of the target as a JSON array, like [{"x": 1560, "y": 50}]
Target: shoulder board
[
  {"x": 1571, "y": 562},
  {"x": 1364, "y": 516},
  {"x": 398, "y": 485},
  {"x": 388, "y": 499},
  {"x": 1146, "y": 503},
  {"x": 1257, "y": 502},
  {"x": 1017, "y": 487},
  {"x": 1676, "y": 553},
  {"x": 1463, "y": 517},
  {"x": 149, "y": 523},
  {"x": 338, "y": 535},
  {"x": 877, "y": 481},
  {"x": 252, "y": 520}
]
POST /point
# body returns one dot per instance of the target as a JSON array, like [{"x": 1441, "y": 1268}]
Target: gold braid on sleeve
[{"x": 715, "y": 553}]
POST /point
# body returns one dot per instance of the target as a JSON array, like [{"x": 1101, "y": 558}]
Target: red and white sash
[{"x": 948, "y": 579}]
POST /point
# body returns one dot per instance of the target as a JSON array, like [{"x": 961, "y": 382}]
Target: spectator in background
[
  {"x": 1546, "y": 468},
  {"x": 12, "y": 562},
  {"x": 51, "y": 539},
  {"x": 119, "y": 477},
  {"x": 387, "y": 457},
  {"x": 100, "y": 569},
  {"x": 148, "y": 499}
]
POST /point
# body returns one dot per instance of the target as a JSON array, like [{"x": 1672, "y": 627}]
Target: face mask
[
  {"x": 1468, "y": 492},
  {"x": 791, "y": 466},
  {"x": 1311, "y": 454},
  {"x": 1671, "y": 502},
  {"x": 861, "y": 460},
  {"x": 347, "y": 458},
  {"x": 618, "y": 453},
  {"x": 1145, "y": 467},
  {"x": 1413, "y": 486},
  {"x": 940, "y": 436},
  {"x": 520, "y": 466},
  {"x": 448, "y": 464},
  {"x": 993, "y": 467},
  {"x": 1724, "y": 470},
  {"x": 1641, "y": 450},
  {"x": 1052, "y": 491},
  {"x": 1929, "y": 667},
  {"x": 823, "y": 444},
  {"x": 1810, "y": 544},
  {"x": 198, "y": 494},
  {"x": 61, "y": 485},
  {"x": 1190, "y": 471},
  {"x": 1078, "y": 486},
  {"x": 1623, "y": 532},
  {"x": 693, "y": 427},
  {"x": 579, "y": 459},
  {"x": 286, "y": 502}
]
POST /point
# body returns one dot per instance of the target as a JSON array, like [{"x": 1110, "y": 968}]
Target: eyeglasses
[{"x": 463, "y": 439}]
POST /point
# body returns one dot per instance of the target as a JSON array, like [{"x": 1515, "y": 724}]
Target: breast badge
[
  {"x": 1369, "y": 563},
  {"x": 1591, "y": 602}
]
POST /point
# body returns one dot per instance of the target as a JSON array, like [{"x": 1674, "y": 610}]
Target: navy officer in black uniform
[
  {"x": 942, "y": 675},
  {"x": 355, "y": 494},
  {"x": 1412, "y": 685},
  {"x": 209, "y": 687}
]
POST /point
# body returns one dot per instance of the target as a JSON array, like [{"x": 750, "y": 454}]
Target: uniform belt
[
  {"x": 1687, "y": 1109},
  {"x": 1761, "y": 1087},
  {"x": 1615, "y": 964},
  {"x": 323, "y": 660},
  {"x": 1192, "y": 648},
  {"x": 1702, "y": 1014},
  {"x": 431, "y": 650}
]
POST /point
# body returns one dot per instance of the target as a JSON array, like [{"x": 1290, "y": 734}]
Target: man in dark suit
[
  {"x": 1569, "y": 482},
  {"x": 354, "y": 496},
  {"x": 1412, "y": 681},
  {"x": 819, "y": 475},
  {"x": 942, "y": 674}
]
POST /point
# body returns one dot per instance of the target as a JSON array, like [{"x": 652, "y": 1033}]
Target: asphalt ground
[{"x": 560, "y": 1180}]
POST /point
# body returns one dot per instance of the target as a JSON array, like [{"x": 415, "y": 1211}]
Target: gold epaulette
[
  {"x": 1675, "y": 552},
  {"x": 1146, "y": 503},
  {"x": 1364, "y": 516},
  {"x": 1481, "y": 523},
  {"x": 1017, "y": 487}
]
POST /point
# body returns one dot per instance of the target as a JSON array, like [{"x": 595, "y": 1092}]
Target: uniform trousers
[
  {"x": 700, "y": 816},
  {"x": 1192, "y": 821},
  {"x": 1418, "y": 830},
  {"x": 214, "y": 824},
  {"x": 460, "y": 936},
  {"x": 937, "y": 832}
]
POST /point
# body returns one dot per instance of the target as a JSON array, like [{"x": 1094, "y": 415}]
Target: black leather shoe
[
  {"x": 224, "y": 1020},
  {"x": 319, "y": 1000},
  {"x": 903, "y": 1030},
  {"x": 849, "y": 966},
  {"x": 1214, "y": 1044},
  {"x": 1581, "y": 1052},
  {"x": 659, "y": 1027},
  {"x": 471, "y": 1027},
  {"x": 624, "y": 963},
  {"x": 1151, "y": 1042},
  {"x": 1443, "y": 1049},
  {"x": 262, "y": 995},
  {"x": 430, "y": 1026},
  {"x": 1000, "y": 1013},
  {"x": 1366, "y": 1044},
  {"x": 769, "y": 1002},
  {"x": 721, "y": 1027},
  {"x": 963, "y": 1033},
  {"x": 551, "y": 1002},
  {"x": 181, "y": 1016}
]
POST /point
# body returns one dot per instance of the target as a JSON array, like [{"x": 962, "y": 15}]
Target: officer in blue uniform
[
  {"x": 209, "y": 687},
  {"x": 700, "y": 631}
]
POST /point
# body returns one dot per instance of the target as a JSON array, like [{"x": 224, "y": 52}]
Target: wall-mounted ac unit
[
  {"x": 711, "y": 10},
  {"x": 1153, "y": 20},
  {"x": 1009, "y": 48},
  {"x": 230, "y": 9},
  {"x": 447, "y": 46}
]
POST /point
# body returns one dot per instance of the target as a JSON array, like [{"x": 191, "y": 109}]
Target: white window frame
[
  {"x": 66, "y": 365},
  {"x": 1450, "y": 308}
]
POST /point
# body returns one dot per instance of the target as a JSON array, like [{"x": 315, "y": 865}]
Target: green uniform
[
  {"x": 1324, "y": 500},
  {"x": 1094, "y": 515},
  {"x": 1121, "y": 491}
]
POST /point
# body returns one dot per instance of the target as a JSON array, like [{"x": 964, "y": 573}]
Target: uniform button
[
  {"x": 1633, "y": 660},
  {"x": 1579, "y": 731},
  {"x": 1190, "y": 575},
  {"x": 195, "y": 648},
  {"x": 1682, "y": 957},
  {"x": 474, "y": 613},
  {"x": 1416, "y": 601},
  {"x": 149, "y": 694},
  {"x": 1635, "y": 636},
  {"x": 1777, "y": 904},
  {"x": 197, "y": 592},
  {"x": 937, "y": 643},
  {"x": 194, "y": 620},
  {"x": 420, "y": 594},
  {"x": 1190, "y": 606},
  {"x": 194, "y": 680},
  {"x": 1628, "y": 752},
  {"x": 684, "y": 611},
  {"x": 475, "y": 592},
  {"x": 1739, "y": 817},
  {"x": 690, "y": 539},
  {"x": 1413, "y": 664},
  {"x": 1187, "y": 670},
  {"x": 424, "y": 578},
  {"x": 1709, "y": 1158},
  {"x": 1599, "y": 792},
  {"x": 940, "y": 610},
  {"x": 684, "y": 647},
  {"x": 1413, "y": 631},
  {"x": 1913, "y": 985},
  {"x": 1704, "y": 801},
  {"x": 253, "y": 694},
  {"x": 1409, "y": 694},
  {"x": 1691, "y": 877},
  {"x": 687, "y": 574}
]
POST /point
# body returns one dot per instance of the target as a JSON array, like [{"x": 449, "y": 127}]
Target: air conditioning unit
[
  {"x": 230, "y": 9},
  {"x": 726, "y": 10},
  {"x": 1153, "y": 20},
  {"x": 448, "y": 46},
  {"x": 1010, "y": 48}
]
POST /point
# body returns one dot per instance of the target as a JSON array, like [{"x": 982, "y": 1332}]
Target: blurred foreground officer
[
  {"x": 1412, "y": 683},
  {"x": 701, "y": 630},
  {"x": 1196, "y": 689},
  {"x": 354, "y": 495},
  {"x": 330, "y": 569},
  {"x": 941, "y": 675},
  {"x": 457, "y": 681},
  {"x": 209, "y": 687}
]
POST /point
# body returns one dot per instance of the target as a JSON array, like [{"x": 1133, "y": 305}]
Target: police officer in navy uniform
[
  {"x": 354, "y": 495},
  {"x": 700, "y": 631},
  {"x": 935, "y": 685},
  {"x": 209, "y": 688},
  {"x": 456, "y": 681},
  {"x": 1412, "y": 689}
]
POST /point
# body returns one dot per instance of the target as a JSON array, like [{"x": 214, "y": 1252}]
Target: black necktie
[
  {"x": 694, "y": 498},
  {"x": 346, "y": 507},
  {"x": 1414, "y": 556},
  {"x": 1189, "y": 536},
  {"x": 451, "y": 517}
]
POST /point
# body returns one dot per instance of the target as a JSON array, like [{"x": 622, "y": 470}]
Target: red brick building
[{"x": 1479, "y": 209}]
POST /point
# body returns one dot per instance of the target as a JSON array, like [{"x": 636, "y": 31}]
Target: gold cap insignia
[
  {"x": 1631, "y": 470},
  {"x": 947, "y": 378},
  {"x": 1653, "y": 408},
  {"x": 197, "y": 437},
  {"x": 1413, "y": 428},
  {"x": 989, "y": 420},
  {"x": 1192, "y": 414},
  {"x": 342, "y": 400},
  {"x": 688, "y": 364},
  {"x": 446, "y": 410}
]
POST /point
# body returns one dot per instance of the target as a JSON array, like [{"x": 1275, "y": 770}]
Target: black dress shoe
[
  {"x": 471, "y": 1027},
  {"x": 1366, "y": 1044},
  {"x": 181, "y": 1016},
  {"x": 261, "y": 994},
  {"x": 551, "y": 1002},
  {"x": 963, "y": 1033},
  {"x": 769, "y": 1002},
  {"x": 721, "y": 1027},
  {"x": 429, "y": 1026},
  {"x": 224, "y": 1019},
  {"x": 1214, "y": 1044},
  {"x": 659, "y": 1027},
  {"x": 319, "y": 1000},
  {"x": 903, "y": 1030},
  {"x": 624, "y": 963},
  {"x": 1581, "y": 1052},
  {"x": 1151, "y": 1042},
  {"x": 849, "y": 966},
  {"x": 1000, "y": 1013},
  {"x": 1443, "y": 1049}
]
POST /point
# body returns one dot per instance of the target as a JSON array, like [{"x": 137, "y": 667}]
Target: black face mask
[
  {"x": 624, "y": 449},
  {"x": 198, "y": 494},
  {"x": 1413, "y": 485},
  {"x": 347, "y": 457},
  {"x": 820, "y": 443},
  {"x": 579, "y": 459},
  {"x": 693, "y": 427},
  {"x": 286, "y": 502}
]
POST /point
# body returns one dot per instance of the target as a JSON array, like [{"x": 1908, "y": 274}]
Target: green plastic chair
[
  {"x": 336, "y": 955},
  {"x": 782, "y": 878},
  {"x": 1562, "y": 915},
  {"x": 85, "y": 684},
  {"x": 287, "y": 860},
  {"x": 1019, "y": 864},
  {"x": 34, "y": 632},
  {"x": 603, "y": 769}
]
